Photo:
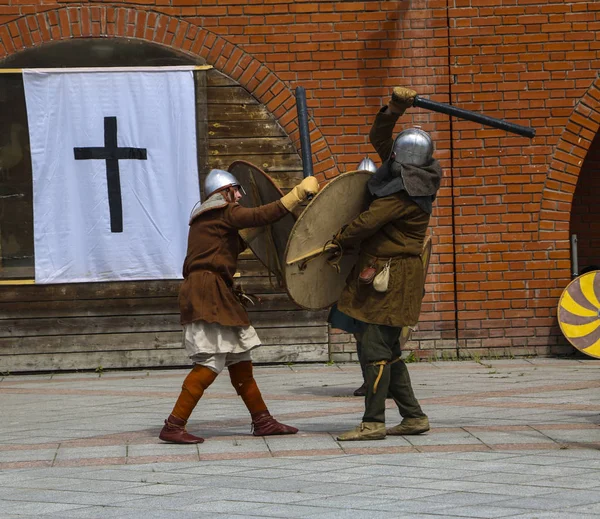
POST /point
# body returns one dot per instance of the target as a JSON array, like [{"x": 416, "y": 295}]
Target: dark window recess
[
  {"x": 16, "y": 201},
  {"x": 585, "y": 210},
  {"x": 16, "y": 197}
]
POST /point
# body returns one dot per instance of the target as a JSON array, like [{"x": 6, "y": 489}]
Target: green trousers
[{"x": 380, "y": 343}]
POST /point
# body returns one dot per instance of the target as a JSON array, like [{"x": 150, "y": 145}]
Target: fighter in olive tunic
[
  {"x": 392, "y": 229},
  {"x": 391, "y": 232}
]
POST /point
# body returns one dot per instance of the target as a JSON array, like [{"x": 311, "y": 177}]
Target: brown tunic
[{"x": 214, "y": 245}]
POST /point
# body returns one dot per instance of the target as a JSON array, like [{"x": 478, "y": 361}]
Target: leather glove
[
  {"x": 309, "y": 186},
  {"x": 402, "y": 99}
]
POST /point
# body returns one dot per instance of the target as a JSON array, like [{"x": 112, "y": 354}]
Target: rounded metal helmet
[
  {"x": 413, "y": 146},
  {"x": 367, "y": 164},
  {"x": 218, "y": 179}
]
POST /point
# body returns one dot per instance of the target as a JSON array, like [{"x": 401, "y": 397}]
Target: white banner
[{"x": 114, "y": 173}]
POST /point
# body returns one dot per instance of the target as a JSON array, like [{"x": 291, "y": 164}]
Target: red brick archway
[
  {"x": 106, "y": 21},
  {"x": 553, "y": 244},
  {"x": 567, "y": 160}
]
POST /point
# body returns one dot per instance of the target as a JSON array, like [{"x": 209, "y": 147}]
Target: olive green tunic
[{"x": 392, "y": 229}]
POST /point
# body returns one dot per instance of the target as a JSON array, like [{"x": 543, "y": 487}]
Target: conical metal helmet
[
  {"x": 413, "y": 146},
  {"x": 367, "y": 164},
  {"x": 218, "y": 179}
]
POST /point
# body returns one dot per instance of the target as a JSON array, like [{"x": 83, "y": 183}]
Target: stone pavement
[{"x": 510, "y": 438}]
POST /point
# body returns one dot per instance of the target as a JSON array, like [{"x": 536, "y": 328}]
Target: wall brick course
[{"x": 533, "y": 62}]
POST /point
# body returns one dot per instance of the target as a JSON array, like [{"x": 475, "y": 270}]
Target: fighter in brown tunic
[
  {"x": 390, "y": 236},
  {"x": 217, "y": 330}
]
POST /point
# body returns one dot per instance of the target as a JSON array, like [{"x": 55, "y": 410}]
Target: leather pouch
[{"x": 382, "y": 280}]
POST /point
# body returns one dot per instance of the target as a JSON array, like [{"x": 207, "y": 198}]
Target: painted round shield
[
  {"x": 311, "y": 281},
  {"x": 425, "y": 258},
  {"x": 269, "y": 245},
  {"x": 579, "y": 313}
]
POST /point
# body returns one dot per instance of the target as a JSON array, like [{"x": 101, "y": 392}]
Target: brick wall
[
  {"x": 536, "y": 62},
  {"x": 501, "y": 223}
]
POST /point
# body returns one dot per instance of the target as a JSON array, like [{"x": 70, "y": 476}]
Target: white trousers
[{"x": 217, "y": 362}]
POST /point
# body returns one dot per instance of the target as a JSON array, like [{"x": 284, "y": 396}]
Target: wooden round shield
[
  {"x": 269, "y": 245},
  {"x": 425, "y": 258},
  {"x": 311, "y": 281},
  {"x": 579, "y": 313}
]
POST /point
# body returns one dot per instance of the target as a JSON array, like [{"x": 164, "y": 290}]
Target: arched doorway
[
  {"x": 565, "y": 206},
  {"x": 136, "y": 324},
  {"x": 232, "y": 125},
  {"x": 585, "y": 210}
]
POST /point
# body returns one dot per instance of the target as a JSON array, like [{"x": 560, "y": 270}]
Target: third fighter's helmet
[
  {"x": 367, "y": 164},
  {"x": 219, "y": 179},
  {"x": 413, "y": 146}
]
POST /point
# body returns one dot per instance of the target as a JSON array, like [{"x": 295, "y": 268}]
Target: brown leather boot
[
  {"x": 361, "y": 391},
  {"x": 174, "y": 432},
  {"x": 263, "y": 424}
]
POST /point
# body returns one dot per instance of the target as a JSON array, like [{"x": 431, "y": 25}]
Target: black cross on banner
[{"x": 111, "y": 153}]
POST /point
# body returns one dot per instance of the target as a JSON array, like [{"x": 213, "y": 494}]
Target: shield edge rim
[{"x": 246, "y": 163}]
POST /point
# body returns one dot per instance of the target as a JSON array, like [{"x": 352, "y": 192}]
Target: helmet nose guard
[
  {"x": 218, "y": 179},
  {"x": 413, "y": 146}
]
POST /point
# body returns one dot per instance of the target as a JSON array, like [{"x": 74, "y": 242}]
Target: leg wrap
[
  {"x": 243, "y": 381},
  {"x": 381, "y": 364},
  {"x": 192, "y": 390}
]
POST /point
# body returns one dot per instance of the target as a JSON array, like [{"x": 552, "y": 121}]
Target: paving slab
[{"x": 510, "y": 438}]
